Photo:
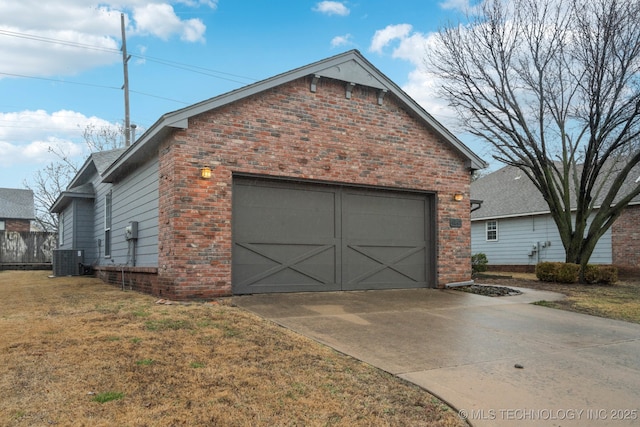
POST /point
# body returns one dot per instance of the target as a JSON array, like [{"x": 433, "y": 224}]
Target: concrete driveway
[{"x": 577, "y": 370}]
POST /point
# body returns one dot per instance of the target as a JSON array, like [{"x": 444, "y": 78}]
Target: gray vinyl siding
[
  {"x": 83, "y": 228},
  {"x": 135, "y": 198},
  {"x": 517, "y": 237}
]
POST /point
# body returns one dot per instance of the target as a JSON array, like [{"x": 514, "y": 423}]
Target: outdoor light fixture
[
  {"x": 205, "y": 172},
  {"x": 458, "y": 197}
]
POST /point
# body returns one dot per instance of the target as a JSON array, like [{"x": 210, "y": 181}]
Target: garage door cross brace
[
  {"x": 282, "y": 265},
  {"x": 384, "y": 265}
]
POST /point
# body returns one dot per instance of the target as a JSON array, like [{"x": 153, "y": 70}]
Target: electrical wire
[
  {"x": 188, "y": 67},
  {"x": 235, "y": 78}
]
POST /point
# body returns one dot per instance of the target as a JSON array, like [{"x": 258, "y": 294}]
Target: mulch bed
[{"x": 488, "y": 291}]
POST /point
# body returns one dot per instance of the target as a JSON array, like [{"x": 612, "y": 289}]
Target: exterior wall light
[
  {"x": 205, "y": 172},
  {"x": 458, "y": 197}
]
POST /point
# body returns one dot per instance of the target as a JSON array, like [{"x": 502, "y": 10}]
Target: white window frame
[
  {"x": 3, "y": 225},
  {"x": 108, "y": 208},
  {"x": 61, "y": 229},
  {"x": 491, "y": 229}
]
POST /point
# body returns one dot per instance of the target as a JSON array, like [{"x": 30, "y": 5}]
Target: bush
[
  {"x": 568, "y": 273},
  {"x": 608, "y": 274},
  {"x": 546, "y": 271},
  {"x": 479, "y": 262},
  {"x": 592, "y": 273}
]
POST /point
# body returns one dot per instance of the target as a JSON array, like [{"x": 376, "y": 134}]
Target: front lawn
[
  {"x": 74, "y": 351},
  {"x": 620, "y": 301}
]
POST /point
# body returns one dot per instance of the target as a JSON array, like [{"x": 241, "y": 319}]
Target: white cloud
[
  {"x": 213, "y": 4},
  {"x": 43, "y": 38},
  {"x": 384, "y": 37},
  {"x": 460, "y": 6},
  {"x": 161, "y": 21},
  {"x": 338, "y": 41},
  {"x": 332, "y": 8},
  {"x": 422, "y": 86},
  {"x": 27, "y": 136}
]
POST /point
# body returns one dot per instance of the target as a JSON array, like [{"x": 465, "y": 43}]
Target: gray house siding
[
  {"x": 518, "y": 236},
  {"x": 135, "y": 198},
  {"x": 83, "y": 228}
]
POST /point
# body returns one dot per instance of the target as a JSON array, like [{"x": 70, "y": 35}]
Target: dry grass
[
  {"x": 620, "y": 301},
  {"x": 74, "y": 351}
]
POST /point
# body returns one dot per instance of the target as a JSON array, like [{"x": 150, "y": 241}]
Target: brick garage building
[{"x": 327, "y": 177}]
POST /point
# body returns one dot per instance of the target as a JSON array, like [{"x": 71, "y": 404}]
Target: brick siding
[
  {"x": 292, "y": 132},
  {"x": 625, "y": 239},
  {"x": 19, "y": 225}
]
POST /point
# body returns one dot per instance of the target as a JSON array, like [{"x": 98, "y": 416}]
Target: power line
[
  {"x": 59, "y": 81},
  {"x": 57, "y": 41},
  {"x": 92, "y": 85},
  {"x": 188, "y": 67}
]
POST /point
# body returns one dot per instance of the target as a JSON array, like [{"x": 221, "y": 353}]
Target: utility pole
[{"x": 125, "y": 60}]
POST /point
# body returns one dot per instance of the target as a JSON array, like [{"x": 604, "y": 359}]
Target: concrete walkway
[{"x": 577, "y": 370}]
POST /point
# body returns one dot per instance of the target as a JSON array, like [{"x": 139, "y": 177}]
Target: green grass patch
[
  {"x": 108, "y": 396},
  {"x": 145, "y": 362},
  {"x": 197, "y": 365},
  {"x": 167, "y": 324},
  {"x": 141, "y": 313}
]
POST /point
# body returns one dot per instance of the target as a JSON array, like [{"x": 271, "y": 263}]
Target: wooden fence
[{"x": 26, "y": 248}]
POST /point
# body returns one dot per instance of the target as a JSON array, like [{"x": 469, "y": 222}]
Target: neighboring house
[
  {"x": 326, "y": 177},
  {"x": 16, "y": 209},
  {"x": 513, "y": 227}
]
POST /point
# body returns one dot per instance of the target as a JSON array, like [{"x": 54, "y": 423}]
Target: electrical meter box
[{"x": 131, "y": 231}]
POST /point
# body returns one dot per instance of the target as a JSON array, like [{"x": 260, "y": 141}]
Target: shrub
[
  {"x": 591, "y": 274},
  {"x": 546, "y": 271},
  {"x": 568, "y": 273},
  {"x": 607, "y": 274},
  {"x": 479, "y": 262}
]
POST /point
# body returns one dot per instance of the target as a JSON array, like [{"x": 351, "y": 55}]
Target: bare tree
[
  {"x": 553, "y": 86},
  {"x": 47, "y": 184},
  {"x": 103, "y": 138}
]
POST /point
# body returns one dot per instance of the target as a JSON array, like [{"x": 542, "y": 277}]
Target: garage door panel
[
  {"x": 283, "y": 214},
  {"x": 379, "y": 267},
  {"x": 291, "y": 237},
  {"x": 394, "y": 218},
  {"x": 285, "y": 266}
]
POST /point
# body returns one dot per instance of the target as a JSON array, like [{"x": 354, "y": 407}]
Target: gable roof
[
  {"x": 508, "y": 192},
  {"x": 350, "y": 67},
  {"x": 81, "y": 187},
  {"x": 16, "y": 204}
]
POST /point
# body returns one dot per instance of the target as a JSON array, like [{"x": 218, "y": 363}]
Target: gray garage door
[{"x": 292, "y": 237}]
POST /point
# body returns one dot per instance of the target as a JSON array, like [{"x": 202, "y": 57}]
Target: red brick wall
[
  {"x": 140, "y": 279},
  {"x": 291, "y": 132},
  {"x": 625, "y": 238},
  {"x": 19, "y": 225}
]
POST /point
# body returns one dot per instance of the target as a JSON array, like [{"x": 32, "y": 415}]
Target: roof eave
[
  {"x": 333, "y": 67},
  {"x": 66, "y": 197}
]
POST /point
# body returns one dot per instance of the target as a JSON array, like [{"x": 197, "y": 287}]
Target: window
[
  {"x": 2, "y": 225},
  {"x": 61, "y": 229},
  {"x": 492, "y": 231},
  {"x": 107, "y": 225}
]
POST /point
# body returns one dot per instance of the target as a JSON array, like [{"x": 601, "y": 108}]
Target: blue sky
[{"x": 61, "y": 68}]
